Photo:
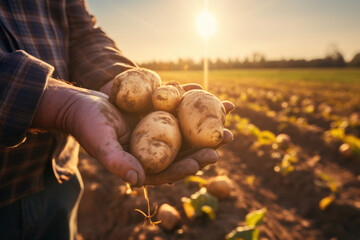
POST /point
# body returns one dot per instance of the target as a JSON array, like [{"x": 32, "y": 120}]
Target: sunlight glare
[{"x": 206, "y": 24}]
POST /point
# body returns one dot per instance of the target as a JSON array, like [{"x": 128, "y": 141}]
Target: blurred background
[
  {"x": 292, "y": 68},
  {"x": 162, "y": 30}
]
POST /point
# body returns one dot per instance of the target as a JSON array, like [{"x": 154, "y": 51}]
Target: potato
[
  {"x": 201, "y": 117},
  {"x": 166, "y": 98},
  {"x": 169, "y": 217},
  {"x": 156, "y": 141},
  {"x": 345, "y": 150},
  {"x": 178, "y": 87},
  {"x": 132, "y": 90},
  {"x": 283, "y": 141},
  {"x": 219, "y": 186}
]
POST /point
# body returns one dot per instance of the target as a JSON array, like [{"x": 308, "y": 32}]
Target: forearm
[
  {"x": 94, "y": 57},
  {"x": 23, "y": 79}
]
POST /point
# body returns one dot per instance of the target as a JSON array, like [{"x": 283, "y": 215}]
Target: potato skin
[
  {"x": 169, "y": 217},
  {"x": 132, "y": 90},
  {"x": 177, "y": 86},
  {"x": 219, "y": 186},
  {"x": 201, "y": 117},
  {"x": 166, "y": 98},
  {"x": 156, "y": 141}
]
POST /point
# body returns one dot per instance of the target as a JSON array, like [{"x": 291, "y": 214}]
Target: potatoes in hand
[
  {"x": 156, "y": 141},
  {"x": 201, "y": 117},
  {"x": 132, "y": 90}
]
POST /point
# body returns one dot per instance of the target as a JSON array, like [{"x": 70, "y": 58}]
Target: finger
[
  {"x": 124, "y": 165},
  {"x": 184, "y": 167},
  {"x": 176, "y": 171},
  {"x": 205, "y": 156},
  {"x": 227, "y": 137},
  {"x": 191, "y": 86},
  {"x": 229, "y": 106},
  {"x": 112, "y": 156}
]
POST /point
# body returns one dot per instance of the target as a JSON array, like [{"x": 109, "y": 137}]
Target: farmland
[{"x": 309, "y": 188}]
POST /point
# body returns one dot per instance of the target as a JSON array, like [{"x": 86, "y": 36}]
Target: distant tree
[
  {"x": 355, "y": 62},
  {"x": 337, "y": 59},
  {"x": 335, "y": 56}
]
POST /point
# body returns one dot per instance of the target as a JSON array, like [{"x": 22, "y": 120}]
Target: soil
[{"x": 292, "y": 201}]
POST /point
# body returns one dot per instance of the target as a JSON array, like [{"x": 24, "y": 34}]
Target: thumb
[{"x": 122, "y": 164}]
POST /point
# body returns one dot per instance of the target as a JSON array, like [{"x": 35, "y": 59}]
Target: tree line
[{"x": 333, "y": 60}]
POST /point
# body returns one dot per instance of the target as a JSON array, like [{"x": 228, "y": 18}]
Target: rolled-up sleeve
[
  {"x": 23, "y": 79},
  {"x": 94, "y": 57}
]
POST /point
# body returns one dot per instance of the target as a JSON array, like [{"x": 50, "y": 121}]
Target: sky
[{"x": 164, "y": 30}]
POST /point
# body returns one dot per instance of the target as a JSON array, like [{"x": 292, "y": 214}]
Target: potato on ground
[
  {"x": 132, "y": 90},
  {"x": 283, "y": 141},
  {"x": 156, "y": 141},
  {"x": 169, "y": 217},
  {"x": 201, "y": 117},
  {"x": 345, "y": 150},
  {"x": 166, "y": 98},
  {"x": 219, "y": 186}
]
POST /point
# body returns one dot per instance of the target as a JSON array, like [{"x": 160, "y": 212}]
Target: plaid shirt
[{"x": 39, "y": 39}]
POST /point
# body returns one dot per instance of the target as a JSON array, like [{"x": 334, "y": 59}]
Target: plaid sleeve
[
  {"x": 22, "y": 82},
  {"x": 94, "y": 57}
]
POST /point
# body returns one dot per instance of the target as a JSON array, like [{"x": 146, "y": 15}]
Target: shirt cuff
[{"x": 23, "y": 79}]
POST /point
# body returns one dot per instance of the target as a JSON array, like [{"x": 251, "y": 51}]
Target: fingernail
[{"x": 132, "y": 177}]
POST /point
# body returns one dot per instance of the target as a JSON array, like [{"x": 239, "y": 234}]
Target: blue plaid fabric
[{"x": 39, "y": 39}]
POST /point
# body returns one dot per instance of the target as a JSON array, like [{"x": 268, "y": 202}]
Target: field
[{"x": 309, "y": 188}]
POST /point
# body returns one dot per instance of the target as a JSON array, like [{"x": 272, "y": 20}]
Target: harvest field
[{"x": 309, "y": 188}]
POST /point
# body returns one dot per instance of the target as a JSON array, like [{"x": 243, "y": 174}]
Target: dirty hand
[
  {"x": 94, "y": 122},
  {"x": 188, "y": 161}
]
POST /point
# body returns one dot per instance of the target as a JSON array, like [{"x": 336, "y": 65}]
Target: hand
[
  {"x": 190, "y": 161},
  {"x": 95, "y": 123}
]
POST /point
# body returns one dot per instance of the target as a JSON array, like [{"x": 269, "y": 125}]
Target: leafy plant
[
  {"x": 200, "y": 203},
  {"x": 326, "y": 181},
  {"x": 250, "y": 230},
  {"x": 326, "y": 201},
  {"x": 353, "y": 141},
  {"x": 197, "y": 179},
  {"x": 286, "y": 165}
]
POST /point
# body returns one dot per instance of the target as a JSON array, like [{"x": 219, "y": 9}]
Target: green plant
[
  {"x": 326, "y": 181},
  {"x": 250, "y": 231},
  {"x": 200, "y": 203},
  {"x": 286, "y": 165}
]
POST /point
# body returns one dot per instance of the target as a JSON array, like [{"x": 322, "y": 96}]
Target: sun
[{"x": 206, "y": 24}]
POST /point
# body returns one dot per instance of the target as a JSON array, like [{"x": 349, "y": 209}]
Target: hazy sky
[{"x": 166, "y": 29}]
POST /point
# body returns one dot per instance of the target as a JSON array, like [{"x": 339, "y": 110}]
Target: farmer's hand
[
  {"x": 188, "y": 161},
  {"x": 94, "y": 122}
]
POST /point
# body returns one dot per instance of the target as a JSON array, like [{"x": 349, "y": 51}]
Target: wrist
[{"x": 55, "y": 110}]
